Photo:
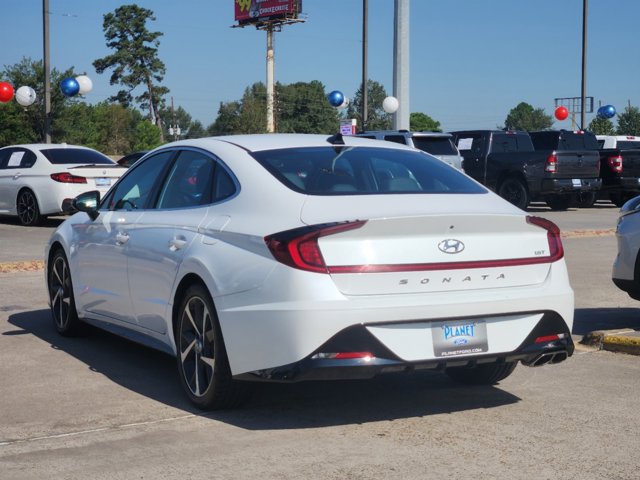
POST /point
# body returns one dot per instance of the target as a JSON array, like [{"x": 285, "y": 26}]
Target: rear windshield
[
  {"x": 628, "y": 145},
  {"x": 79, "y": 156},
  {"x": 564, "y": 141},
  {"x": 339, "y": 170},
  {"x": 435, "y": 145}
]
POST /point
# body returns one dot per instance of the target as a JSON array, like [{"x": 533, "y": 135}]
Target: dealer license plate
[
  {"x": 103, "y": 182},
  {"x": 459, "y": 338}
]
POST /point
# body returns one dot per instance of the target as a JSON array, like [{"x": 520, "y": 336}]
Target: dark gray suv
[{"x": 438, "y": 144}]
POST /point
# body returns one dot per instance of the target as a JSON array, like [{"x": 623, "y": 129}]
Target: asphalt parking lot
[{"x": 101, "y": 407}]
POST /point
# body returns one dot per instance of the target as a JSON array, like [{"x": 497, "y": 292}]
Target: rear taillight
[
  {"x": 615, "y": 163},
  {"x": 552, "y": 164},
  {"x": 556, "y": 250},
  {"x": 299, "y": 248},
  {"x": 66, "y": 177}
]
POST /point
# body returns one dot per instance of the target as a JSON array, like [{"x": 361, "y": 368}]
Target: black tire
[
  {"x": 559, "y": 202},
  {"x": 514, "y": 191},
  {"x": 27, "y": 209},
  {"x": 63, "y": 305},
  {"x": 203, "y": 366},
  {"x": 483, "y": 374},
  {"x": 586, "y": 199}
]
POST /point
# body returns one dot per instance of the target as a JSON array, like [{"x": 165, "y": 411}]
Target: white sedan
[
  {"x": 41, "y": 179},
  {"x": 626, "y": 266},
  {"x": 294, "y": 257}
]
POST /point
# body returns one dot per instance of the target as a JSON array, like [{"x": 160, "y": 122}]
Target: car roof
[
  {"x": 44, "y": 146},
  {"x": 273, "y": 141},
  {"x": 407, "y": 133}
]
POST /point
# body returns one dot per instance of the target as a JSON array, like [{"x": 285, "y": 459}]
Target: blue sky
[{"x": 471, "y": 61}]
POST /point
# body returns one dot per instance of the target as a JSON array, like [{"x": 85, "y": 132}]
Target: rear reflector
[
  {"x": 66, "y": 177},
  {"x": 344, "y": 356},
  {"x": 550, "y": 338}
]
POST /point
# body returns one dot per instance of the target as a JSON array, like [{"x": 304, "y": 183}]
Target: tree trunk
[{"x": 153, "y": 110}]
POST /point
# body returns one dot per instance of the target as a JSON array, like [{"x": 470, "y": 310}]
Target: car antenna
[{"x": 336, "y": 139}]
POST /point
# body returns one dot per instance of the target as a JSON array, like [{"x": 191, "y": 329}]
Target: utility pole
[
  {"x": 271, "y": 125},
  {"x": 585, "y": 8},
  {"x": 365, "y": 63},
  {"x": 46, "y": 65},
  {"x": 401, "y": 64}
]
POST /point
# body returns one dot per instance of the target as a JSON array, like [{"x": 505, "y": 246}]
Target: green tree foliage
[
  {"x": 602, "y": 126},
  {"x": 629, "y": 121},
  {"x": 377, "y": 118},
  {"x": 135, "y": 59},
  {"x": 248, "y": 115},
  {"x": 26, "y": 124},
  {"x": 196, "y": 130},
  {"x": 421, "y": 122},
  {"x": 77, "y": 126},
  {"x": 525, "y": 117},
  {"x": 303, "y": 108},
  {"x": 147, "y": 136}
]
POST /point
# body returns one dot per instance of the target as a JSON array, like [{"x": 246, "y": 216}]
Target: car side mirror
[{"x": 87, "y": 202}]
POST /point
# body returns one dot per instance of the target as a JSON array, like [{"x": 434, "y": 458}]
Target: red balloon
[
  {"x": 6, "y": 92},
  {"x": 562, "y": 113}
]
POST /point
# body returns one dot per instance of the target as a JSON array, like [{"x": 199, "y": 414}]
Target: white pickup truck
[{"x": 623, "y": 142}]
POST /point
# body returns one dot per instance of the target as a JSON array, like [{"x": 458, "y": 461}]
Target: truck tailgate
[{"x": 577, "y": 164}]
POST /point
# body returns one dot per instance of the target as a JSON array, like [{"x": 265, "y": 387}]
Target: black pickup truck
[
  {"x": 580, "y": 145},
  {"x": 619, "y": 167},
  {"x": 507, "y": 163}
]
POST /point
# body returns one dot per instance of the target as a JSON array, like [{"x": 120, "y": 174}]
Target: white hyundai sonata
[
  {"x": 42, "y": 179},
  {"x": 294, "y": 257}
]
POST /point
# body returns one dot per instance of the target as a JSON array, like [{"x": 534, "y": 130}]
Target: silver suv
[{"x": 440, "y": 145}]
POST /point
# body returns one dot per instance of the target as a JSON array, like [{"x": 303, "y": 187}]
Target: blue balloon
[
  {"x": 69, "y": 87},
  {"x": 336, "y": 98},
  {"x": 609, "y": 111}
]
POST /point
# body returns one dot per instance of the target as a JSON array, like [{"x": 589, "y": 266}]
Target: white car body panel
[{"x": 272, "y": 314}]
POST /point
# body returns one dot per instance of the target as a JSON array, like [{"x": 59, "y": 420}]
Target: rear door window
[
  {"x": 502, "y": 143},
  {"x": 13, "y": 158}
]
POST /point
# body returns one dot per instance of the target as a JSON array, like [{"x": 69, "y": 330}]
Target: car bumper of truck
[{"x": 570, "y": 185}]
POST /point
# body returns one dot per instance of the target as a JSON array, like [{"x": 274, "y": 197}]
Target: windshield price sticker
[{"x": 459, "y": 338}]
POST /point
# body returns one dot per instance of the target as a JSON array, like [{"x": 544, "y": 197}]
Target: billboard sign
[{"x": 256, "y": 11}]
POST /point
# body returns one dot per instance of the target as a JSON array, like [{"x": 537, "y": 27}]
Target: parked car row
[{"x": 561, "y": 167}]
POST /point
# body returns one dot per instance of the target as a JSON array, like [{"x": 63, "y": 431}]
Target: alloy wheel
[
  {"x": 27, "y": 208},
  {"x": 196, "y": 345},
  {"x": 60, "y": 292}
]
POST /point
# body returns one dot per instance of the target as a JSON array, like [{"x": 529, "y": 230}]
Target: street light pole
[
  {"x": 46, "y": 65},
  {"x": 585, "y": 8},
  {"x": 365, "y": 63}
]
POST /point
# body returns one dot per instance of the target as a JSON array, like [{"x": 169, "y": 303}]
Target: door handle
[
  {"x": 17, "y": 176},
  {"x": 122, "y": 238},
  {"x": 177, "y": 243}
]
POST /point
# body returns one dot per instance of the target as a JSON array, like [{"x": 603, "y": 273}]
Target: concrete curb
[{"x": 625, "y": 341}]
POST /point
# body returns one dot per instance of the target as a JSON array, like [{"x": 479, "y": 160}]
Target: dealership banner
[{"x": 248, "y": 11}]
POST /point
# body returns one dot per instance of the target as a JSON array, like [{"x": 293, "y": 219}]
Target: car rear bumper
[
  {"x": 570, "y": 185},
  {"x": 536, "y": 350}
]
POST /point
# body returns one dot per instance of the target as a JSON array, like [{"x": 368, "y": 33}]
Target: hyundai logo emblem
[{"x": 451, "y": 245}]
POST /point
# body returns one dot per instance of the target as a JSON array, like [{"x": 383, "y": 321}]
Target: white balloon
[
  {"x": 85, "y": 84},
  {"x": 390, "y": 104},
  {"x": 344, "y": 104},
  {"x": 25, "y": 96}
]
